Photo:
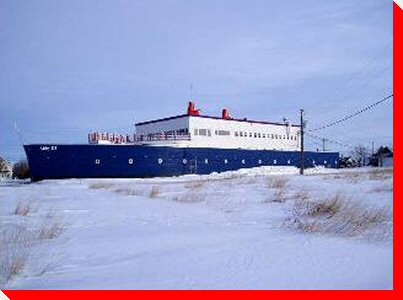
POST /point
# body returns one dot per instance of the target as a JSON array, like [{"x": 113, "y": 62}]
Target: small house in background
[
  {"x": 6, "y": 169},
  {"x": 347, "y": 162},
  {"x": 383, "y": 157}
]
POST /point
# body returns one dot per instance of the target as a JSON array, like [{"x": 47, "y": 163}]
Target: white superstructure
[{"x": 215, "y": 132}]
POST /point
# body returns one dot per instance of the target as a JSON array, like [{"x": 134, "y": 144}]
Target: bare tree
[
  {"x": 360, "y": 155},
  {"x": 21, "y": 170}
]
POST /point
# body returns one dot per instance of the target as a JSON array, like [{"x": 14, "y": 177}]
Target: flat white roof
[{"x": 211, "y": 117}]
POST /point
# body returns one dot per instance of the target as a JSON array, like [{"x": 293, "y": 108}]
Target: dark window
[
  {"x": 205, "y": 132},
  {"x": 222, "y": 132}
]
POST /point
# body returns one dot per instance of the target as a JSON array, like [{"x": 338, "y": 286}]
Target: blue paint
[{"x": 125, "y": 161}]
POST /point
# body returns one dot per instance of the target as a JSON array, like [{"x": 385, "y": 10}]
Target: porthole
[
  {"x": 325, "y": 161},
  {"x": 275, "y": 161},
  {"x": 184, "y": 161},
  {"x": 259, "y": 161},
  {"x": 243, "y": 161},
  {"x": 160, "y": 161},
  {"x": 289, "y": 161},
  {"x": 130, "y": 161},
  {"x": 335, "y": 162},
  {"x": 206, "y": 161},
  {"x": 225, "y": 161},
  {"x": 313, "y": 161},
  {"x": 97, "y": 161}
]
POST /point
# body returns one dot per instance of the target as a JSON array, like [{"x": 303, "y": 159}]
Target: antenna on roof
[{"x": 191, "y": 89}]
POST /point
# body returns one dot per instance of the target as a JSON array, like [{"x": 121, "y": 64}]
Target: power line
[
  {"x": 338, "y": 143},
  {"x": 353, "y": 115},
  {"x": 330, "y": 140}
]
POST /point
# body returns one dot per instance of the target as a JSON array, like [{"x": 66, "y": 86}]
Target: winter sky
[{"x": 69, "y": 67}]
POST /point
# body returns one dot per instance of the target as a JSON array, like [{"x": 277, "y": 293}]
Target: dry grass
[
  {"x": 351, "y": 177},
  {"x": 277, "y": 183},
  {"x": 280, "y": 186},
  {"x": 23, "y": 208},
  {"x": 338, "y": 215},
  {"x": 232, "y": 176},
  {"x": 117, "y": 189},
  {"x": 383, "y": 189},
  {"x": 155, "y": 192},
  {"x": 302, "y": 195},
  {"x": 250, "y": 180},
  {"x": 51, "y": 228},
  {"x": 100, "y": 185},
  {"x": 18, "y": 241},
  {"x": 127, "y": 191},
  {"x": 195, "y": 184},
  {"x": 191, "y": 197},
  {"x": 379, "y": 174},
  {"x": 15, "y": 247}
]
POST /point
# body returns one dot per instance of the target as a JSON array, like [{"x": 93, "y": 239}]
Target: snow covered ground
[{"x": 261, "y": 228}]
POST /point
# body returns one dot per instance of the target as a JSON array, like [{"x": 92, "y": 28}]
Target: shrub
[
  {"x": 23, "y": 208},
  {"x": 337, "y": 215},
  {"x": 155, "y": 191},
  {"x": 21, "y": 170},
  {"x": 100, "y": 185}
]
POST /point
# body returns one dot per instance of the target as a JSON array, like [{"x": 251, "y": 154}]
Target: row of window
[
  {"x": 207, "y": 132},
  {"x": 266, "y": 135},
  {"x": 182, "y": 131}
]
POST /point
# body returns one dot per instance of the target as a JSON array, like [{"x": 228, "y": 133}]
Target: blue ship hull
[{"x": 48, "y": 161}]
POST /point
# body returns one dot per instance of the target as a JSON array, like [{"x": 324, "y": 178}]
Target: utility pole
[
  {"x": 324, "y": 141},
  {"x": 301, "y": 170}
]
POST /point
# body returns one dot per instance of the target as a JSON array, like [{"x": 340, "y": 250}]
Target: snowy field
[{"x": 264, "y": 228}]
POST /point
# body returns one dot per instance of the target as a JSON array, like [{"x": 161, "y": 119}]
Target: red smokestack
[
  {"x": 226, "y": 114},
  {"x": 192, "y": 111}
]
